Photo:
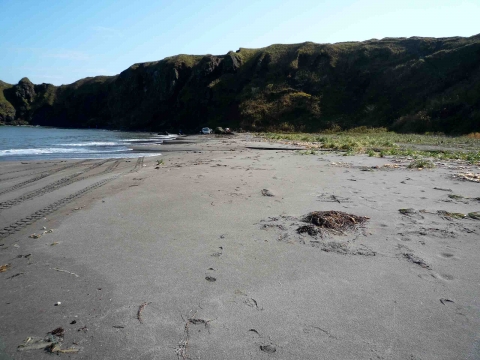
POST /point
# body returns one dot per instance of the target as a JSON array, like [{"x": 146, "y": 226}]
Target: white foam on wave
[
  {"x": 94, "y": 143},
  {"x": 11, "y": 152},
  {"x": 153, "y": 138},
  {"x": 121, "y": 156}
]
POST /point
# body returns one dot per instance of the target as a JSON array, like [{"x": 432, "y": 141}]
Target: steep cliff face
[{"x": 414, "y": 84}]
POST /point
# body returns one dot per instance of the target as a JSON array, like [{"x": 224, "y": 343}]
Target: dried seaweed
[
  {"x": 416, "y": 260},
  {"x": 474, "y": 215},
  {"x": 139, "y": 312},
  {"x": 309, "y": 229},
  {"x": 335, "y": 221},
  {"x": 450, "y": 215}
]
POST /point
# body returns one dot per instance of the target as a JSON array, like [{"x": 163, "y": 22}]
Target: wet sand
[{"x": 192, "y": 259}]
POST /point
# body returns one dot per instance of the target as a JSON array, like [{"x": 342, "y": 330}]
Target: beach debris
[
  {"x": 416, "y": 260},
  {"x": 55, "y": 348},
  {"x": 456, "y": 197},
  {"x": 468, "y": 176},
  {"x": 320, "y": 225},
  {"x": 333, "y": 198},
  {"x": 38, "y": 236},
  {"x": 58, "y": 303},
  {"x": 451, "y": 215},
  {"x": 444, "y": 300},
  {"x": 266, "y": 192},
  {"x": 391, "y": 166},
  {"x": 334, "y": 221},
  {"x": 18, "y": 274},
  {"x": 83, "y": 328},
  {"x": 65, "y": 271},
  {"x": 34, "y": 343},
  {"x": 118, "y": 326},
  {"x": 52, "y": 343},
  {"x": 54, "y": 243},
  {"x": 73, "y": 322},
  {"x": 210, "y": 279},
  {"x": 441, "y": 189},
  {"x": 268, "y": 226},
  {"x": 4, "y": 267},
  {"x": 408, "y": 211},
  {"x": 60, "y": 332},
  {"x": 311, "y": 230},
  {"x": 255, "y": 331},
  {"x": 140, "y": 310},
  {"x": 474, "y": 215},
  {"x": 268, "y": 348},
  {"x": 196, "y": 321}
]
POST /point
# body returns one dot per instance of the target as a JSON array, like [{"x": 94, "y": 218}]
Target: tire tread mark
[
  {"x": 55, "y": 185},
  {"x": 138, "y": 164},
  {"x": 16, "y": 171},
  {"x": 28, "y": 220},
  {"x": 39, "y": 177},
  {"x": 22, "y": 223}
]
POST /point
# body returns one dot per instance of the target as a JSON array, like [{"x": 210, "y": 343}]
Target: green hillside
[{"x": 405, "y": 84}]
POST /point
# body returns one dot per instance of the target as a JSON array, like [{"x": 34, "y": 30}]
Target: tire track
[
  {"x": 26, "y": 221},
  {"x": 22, "y": 223},
  {"x": 41, "y": 176},
  {"x": 58, "y": 184},
  {"x": 138, "y": 164},
  {"x": 16, "y": 171}
]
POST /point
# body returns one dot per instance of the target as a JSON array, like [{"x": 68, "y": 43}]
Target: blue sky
[{"x": 61, "y": 41}]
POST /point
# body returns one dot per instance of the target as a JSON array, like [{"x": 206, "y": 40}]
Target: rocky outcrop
[{"x": 407, "y": 84}]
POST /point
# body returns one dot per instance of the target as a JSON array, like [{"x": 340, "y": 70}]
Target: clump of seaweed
[
  {"x": 421, "y": 164},
  {"x": 309, "y": 229},
  {"x": 451, "y": 215},
  {"x": 331, "y": 221}
]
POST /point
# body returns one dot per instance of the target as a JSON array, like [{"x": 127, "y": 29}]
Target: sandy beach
[{"x": 197, "y": 254}]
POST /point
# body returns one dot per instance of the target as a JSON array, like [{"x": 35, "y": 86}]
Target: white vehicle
[{"x": 206, "y": 130}]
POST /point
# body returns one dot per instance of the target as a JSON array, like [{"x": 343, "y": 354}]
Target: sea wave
[
  {"x": 94, "y": 143},
  {"x": 153, "y": 138},
  {"x": 11, "y": 152}
]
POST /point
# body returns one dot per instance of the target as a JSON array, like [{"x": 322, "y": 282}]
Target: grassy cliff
[{"x": 405, "y": 84}]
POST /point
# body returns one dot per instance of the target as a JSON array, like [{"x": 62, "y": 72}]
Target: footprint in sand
[{"x": 445, "y": 277}]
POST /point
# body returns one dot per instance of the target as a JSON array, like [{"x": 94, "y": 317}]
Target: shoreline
[{"x": 206, "y": 239}]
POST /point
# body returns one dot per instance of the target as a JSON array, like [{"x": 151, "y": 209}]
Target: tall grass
[{"x": 380, "y": 142}]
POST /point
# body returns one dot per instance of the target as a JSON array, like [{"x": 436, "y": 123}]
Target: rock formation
[{"x": 406, "y": 84}]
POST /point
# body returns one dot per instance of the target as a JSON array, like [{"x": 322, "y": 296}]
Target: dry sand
[{"x": 192, "y": 260}]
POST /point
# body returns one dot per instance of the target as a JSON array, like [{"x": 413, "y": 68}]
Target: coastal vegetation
[
  {"x": 407, "y": 85},
  {"x": 380, "y": 142}
]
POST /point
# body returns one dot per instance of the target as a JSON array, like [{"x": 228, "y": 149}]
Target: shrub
[
  {"x": 420, "y": 122},
  {"x": 421, "y": 164}
]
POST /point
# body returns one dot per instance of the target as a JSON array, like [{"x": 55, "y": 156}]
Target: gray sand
[{"x": 220, "y": 267}]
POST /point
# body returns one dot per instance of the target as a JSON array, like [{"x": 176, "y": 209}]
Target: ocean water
[{"x": 19, "y": 143}]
